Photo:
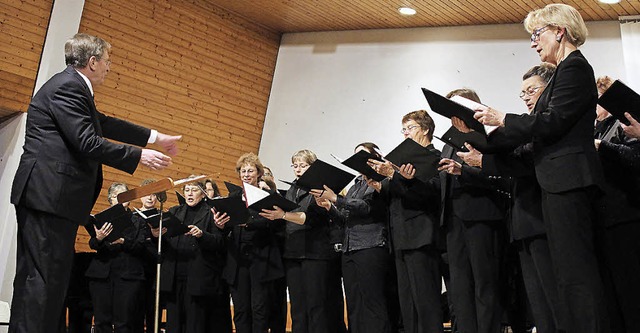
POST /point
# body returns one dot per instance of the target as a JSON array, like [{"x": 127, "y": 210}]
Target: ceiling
[{"x": 333, "y": 15}]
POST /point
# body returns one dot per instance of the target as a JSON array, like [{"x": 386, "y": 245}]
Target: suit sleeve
[
  {"x": 71, "y": 110},
  {"x": 570, "y": 98}
]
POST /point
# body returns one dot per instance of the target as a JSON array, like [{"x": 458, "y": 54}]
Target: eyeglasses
[
  {"x": 535, "y": 35},
  {"x": 530, "y": 91},
  {"x": 301, "y": 166},
  {"x": 408, "y": 129}
]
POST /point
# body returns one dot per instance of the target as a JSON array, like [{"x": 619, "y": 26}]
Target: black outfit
[
  {"x": 527, "y": 232},
  {"x": 191, "y": 271},
  {"x": 64, "y": 148},
  {"x": 253, "y": 263},
  {"x": 569, "y": 172},
  {"x": 308, "y": 255},
  {"x": 620, "y": 213},
  {"x": 473, "y": 213},
  {"x": 365, "y": 258},
  {"x": 413, "y": 210},
  {"x": 116, "y": 278},
  {"x": 78, "y": 300}
]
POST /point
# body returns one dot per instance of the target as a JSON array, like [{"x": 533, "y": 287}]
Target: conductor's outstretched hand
[{"x": 168, "y": 143}]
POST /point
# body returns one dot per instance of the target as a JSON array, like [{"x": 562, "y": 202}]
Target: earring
[{"x": 558, "y": 39}]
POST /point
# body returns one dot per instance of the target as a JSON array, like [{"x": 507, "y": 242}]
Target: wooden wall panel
[
  {"x": 184, "y": 67},
  {"x": 23, "y": 27}
]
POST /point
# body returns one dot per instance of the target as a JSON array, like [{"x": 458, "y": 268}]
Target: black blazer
[
  {"x": 561, "y": 129},
  {"x": 123, "y": 260},
  {"x": 312, "y": 240},
  {"x": 621, "y": 202},
  {"x": 204, "y": 255},
  {"x": 471, "y": 196},
  {"x": 413, "y": 210},
  {"x": 526, "y": 207},
  {"x": 60, "y": 171},
  {"x": 363, "y": 216},
  {"x": 259, "y": 240}
]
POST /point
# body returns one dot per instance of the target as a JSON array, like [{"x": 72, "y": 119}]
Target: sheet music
[
  {"x": 473, "y": 106},
  {"x": 189, "y": 180},
  {"x": 253, "y": 194}
]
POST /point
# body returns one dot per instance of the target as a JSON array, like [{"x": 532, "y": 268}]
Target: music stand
[{"x": 153, "y": 188}]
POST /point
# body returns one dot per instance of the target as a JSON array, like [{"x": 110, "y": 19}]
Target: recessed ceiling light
[
  {"x": 610, "y": 2},
  {"x": 407, "y": 11}
]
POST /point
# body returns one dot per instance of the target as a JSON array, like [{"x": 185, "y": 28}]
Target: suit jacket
[
  {"x": 60, "y": 171},
  {"x": 312, "y": 240},
  {"x": 258, "y": 241},
  {"x": 121, "y": 260},
  {"x": 472, "y": 196},
  {"x": 204, "y": 256},
  {"x": 413, "y": 210},
  {"x": 526, "y": 206},
  {"x": 561, "y": 129}
]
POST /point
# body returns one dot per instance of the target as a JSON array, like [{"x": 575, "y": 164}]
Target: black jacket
[
  {"x": 363, "y": 215},
  {"x": 203, "y": 256},
  {"x": 60, "y": 171},
  {"x": 413, "y": 210},
  {"x": 123, "y": 260},
  {"x": 257, "y": 240},
  {"x": 312, "y": 240},
  {"x": 561, "y": 129}
]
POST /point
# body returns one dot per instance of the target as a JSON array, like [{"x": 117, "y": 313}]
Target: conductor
[{"x": 60, "y": 176}]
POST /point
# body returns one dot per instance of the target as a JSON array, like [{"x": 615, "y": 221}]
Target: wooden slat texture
[
  {"x": 184, "y": 67},
  {"x": 332, "y": 15},
  {"x": 23, "y": 27}
]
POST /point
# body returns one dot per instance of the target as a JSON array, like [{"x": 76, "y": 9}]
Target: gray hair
[
  {"x": 116, "y": 188},
  {"x": 81, "y": 47},
  {"x": 544, "y": 71}
]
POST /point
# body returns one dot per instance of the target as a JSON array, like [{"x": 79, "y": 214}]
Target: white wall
[
  {"x": 333, "y": 90},
  {"x": 64, "y": 23}
]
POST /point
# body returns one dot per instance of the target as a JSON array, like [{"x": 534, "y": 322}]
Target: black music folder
[
  {"x": 321, "y": 173},
  {"x": 424, "y": 161},
  {"x": 456, "y": 139},
  {"x": 234, "y": 206},
  {"x": 358, "y": 162},
  {"x": 618, "y": 99},
  {"x": 448, "y": 108},
  {"x": 169, "y": 221},
  {"x": 233, "y": 189},
  {"x": 259, "y": 199},
  {"x": 118, "y": 216},
  {"x": 181, "y": 199}
]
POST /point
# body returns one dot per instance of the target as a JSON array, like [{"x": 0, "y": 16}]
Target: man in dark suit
[{"x": 60, "y": 176}]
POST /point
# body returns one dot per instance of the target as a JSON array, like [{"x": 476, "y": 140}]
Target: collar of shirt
[{"x": 86, "y": 79}]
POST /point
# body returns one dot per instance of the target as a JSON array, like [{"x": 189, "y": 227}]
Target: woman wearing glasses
[
  {"x": 308, "y": 255},
  {"x": 566, "y": 163},
  {"x": 414, "y": 228}
]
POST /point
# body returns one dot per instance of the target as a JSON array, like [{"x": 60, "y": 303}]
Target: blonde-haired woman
[
  {"x": 566, "y": 163},
  {"x": 308, "y": 255}
]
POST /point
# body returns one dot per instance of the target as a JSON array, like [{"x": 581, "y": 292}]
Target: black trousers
[
  {"x": 570, "y": 223},
  {"x": 186, "y": 313},
  {"x": 419, "y": 287},
  {"x": 621, "y": 249},
  {"x": 365, "y": 277},
  {"x": 278, "y": 307},
  {"x": 307, "y": 280},
  {"x": 44, "y": 259},
  {"x": 250, "y": 300},
  {"x": 116, "y": 304},
  {"x": 541, "y": 284},
  {"x": 474, "y": 250},
  {"x": 219, "y": 320}
]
